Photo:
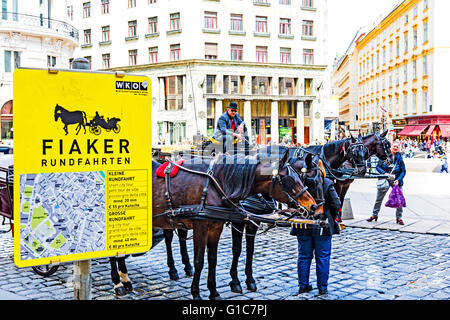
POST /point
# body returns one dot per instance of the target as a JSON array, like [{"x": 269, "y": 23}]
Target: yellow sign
[{"x": 82, "y": 166}]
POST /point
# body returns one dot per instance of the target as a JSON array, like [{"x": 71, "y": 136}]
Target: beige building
[{"x": 267, "y": 55}]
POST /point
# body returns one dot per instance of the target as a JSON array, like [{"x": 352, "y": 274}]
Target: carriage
[{"x": 98, "y": 122}]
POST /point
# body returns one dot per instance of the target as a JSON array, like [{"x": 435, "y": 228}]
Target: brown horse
[{"x": 238, "y": 181}]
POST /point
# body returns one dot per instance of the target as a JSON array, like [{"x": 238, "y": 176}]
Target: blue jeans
[{"x": 320, "y": 247}]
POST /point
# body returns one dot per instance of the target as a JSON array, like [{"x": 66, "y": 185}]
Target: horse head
[
  {"x": 58, "y": 110},
  {"x": 379, "y": 145}
]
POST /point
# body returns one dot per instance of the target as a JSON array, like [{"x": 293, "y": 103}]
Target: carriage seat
[{"x": 173, "y": 173}]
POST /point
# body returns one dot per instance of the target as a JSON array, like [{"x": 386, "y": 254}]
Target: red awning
[
  {"x": 412, "y": 131},
  {"x": 430, "y": 130},
  {"x": 445, "y": 130}
]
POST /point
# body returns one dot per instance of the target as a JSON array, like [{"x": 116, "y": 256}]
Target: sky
[{"x": 347, "y": 16}]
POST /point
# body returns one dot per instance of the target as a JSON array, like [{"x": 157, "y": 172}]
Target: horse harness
[{"x": 234, "y": 213}]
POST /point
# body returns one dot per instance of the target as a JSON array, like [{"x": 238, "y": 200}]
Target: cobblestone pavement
[{"x": 366, "y": 265}]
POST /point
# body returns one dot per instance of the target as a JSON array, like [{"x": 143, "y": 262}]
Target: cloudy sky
[{"x": 347, "y": 16}]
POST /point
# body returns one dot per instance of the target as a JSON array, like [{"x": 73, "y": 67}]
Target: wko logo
[{"x": 133, "y": 86}]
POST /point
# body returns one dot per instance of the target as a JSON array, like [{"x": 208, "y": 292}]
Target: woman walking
[{"x": 399, "y": 171}]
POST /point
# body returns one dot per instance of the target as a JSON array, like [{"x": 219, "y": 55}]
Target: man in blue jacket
[
  {"x": 229, "y": 127},
  {"x": 399, "y": 171}
]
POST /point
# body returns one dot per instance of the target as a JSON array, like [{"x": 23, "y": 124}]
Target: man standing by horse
[{"x": 230, "y": 127}]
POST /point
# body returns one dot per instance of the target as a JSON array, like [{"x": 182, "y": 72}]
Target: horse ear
[
  {"x": 309, "y": 160},
  {"x": 283, "y": 160},
  {"x": 384, "y": 134},
  {"x": 353, "y": 138}
]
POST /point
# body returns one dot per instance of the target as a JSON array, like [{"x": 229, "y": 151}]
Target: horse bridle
[
  {"x": 354, "y": 150},
  {"x": 386, "y": 149},
  {"x": 287, "y": 184}
]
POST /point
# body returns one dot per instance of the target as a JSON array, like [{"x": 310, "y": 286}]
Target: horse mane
[{"x": 236, "y": 174}]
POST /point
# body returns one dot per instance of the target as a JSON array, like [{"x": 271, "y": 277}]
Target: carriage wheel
[
  {"x": 116, "y": 129},
  {"x": 45, "y": 270},
  {"x": 95, "y": 130}
]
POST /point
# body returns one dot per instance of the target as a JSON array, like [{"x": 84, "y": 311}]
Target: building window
[
  {"x": 153, "y": 25},
  {"x": 425, "y": 101},
  {"x": 131, "y": 3},
  {"x": 174, "y": 52},
  {"x": 211, "y": 51},
  {"x": 416, "y": 9},
  {"x": 210, "y": 20},
  {"x": 174, "y": 93},
  {"x": 51, "y": 61},
  {"x": 210, "y": 84},
  {"x": 70, "y": 12},
  {"x": 174, "y": 21},
  {"x": 414, "y": 69},
  {"x": 106, "y": 61},
  {"x": 105, "y": 33},
  {"x": 260, "y": 1},
  {"x": 425, "y": 4},
  {"x": 425, "y": 66},
  {"x": 406, "y": 18},
  {"x": 151, "y": 1},
  {"x": 261, "y": 24},
  {"x": 233, "y": 84},
  {"x": 308, "y": 56},
  {"x": 86, "y": 10},
  {"x": 132, "y": 57},
  {"x": 406, "y": 42},
  {"x": 405, "y": 104},
  {"x": 105, "y": 6},
  {"x": 153, "y": 55},
  {"x": 425, "y": 31},
  {"x": 286, "y": 86},
  {"x": 87, "y": 36},
  {"x": 285, "y": 55},
  {"x": 307, "y": 3},
  {"x": 415, "y": 38},
  {"x": 236, "y": 22},
  {"x": 285, "y": 26},
  {"x": 397, "y": 43},
  {"x": 285, "y": 2},
  {"x": 308, "y": 28},
  {"x": 237, "y": 52},
  {"x": 261, "y": 54},
  {"x": 132, "y": 28},
  {"x": 261, "y": 85}
]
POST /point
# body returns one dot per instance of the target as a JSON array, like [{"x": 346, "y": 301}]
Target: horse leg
[
  {"x": 168, "y": 237},
  {"x": 118, "y": 286},
  {"x": 213, "y": 243},
  {"x": 182, "y": 235},
  {"x": 123, "y": 273},
  {"x": 200, "y": 238},
  {"x": 78, "y": 128},
  {"x": 237, "y": 233},
  {"x": 251, "y": 230},
  {"x": 66, "y": 130}
]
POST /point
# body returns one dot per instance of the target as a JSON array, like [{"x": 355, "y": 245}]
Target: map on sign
[{"x": 58, "y": 216}]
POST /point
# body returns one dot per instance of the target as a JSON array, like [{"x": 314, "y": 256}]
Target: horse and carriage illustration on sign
[{"x": 79, "y": 117}]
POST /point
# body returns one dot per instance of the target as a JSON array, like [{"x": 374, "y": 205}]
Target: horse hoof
[
  {"x": 197, "y": 298},
  {"x": 174, "y": 275},
  {"x": 251, "y": 286},
  {"x": 189, "y": 271},
  {"x": 128, "y": 286},
  {"x": 215, "y": 297},
  {"x": 120, "y": 291},
  {"x": 235, "y": 287}
]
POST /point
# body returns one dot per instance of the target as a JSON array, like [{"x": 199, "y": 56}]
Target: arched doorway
[{"x": 6, "y": 121}]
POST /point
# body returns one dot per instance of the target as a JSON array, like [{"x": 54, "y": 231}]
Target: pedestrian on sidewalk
[
  {"x": 444, "y": 165},
  {"x": 398, "y": 169},
  {"x": 314, "y": 242}
]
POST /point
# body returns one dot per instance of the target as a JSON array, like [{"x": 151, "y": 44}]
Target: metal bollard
[{"x": 347, "y": 211}]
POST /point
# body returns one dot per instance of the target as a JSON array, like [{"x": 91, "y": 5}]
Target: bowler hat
[{"x": 233, "y": 105}]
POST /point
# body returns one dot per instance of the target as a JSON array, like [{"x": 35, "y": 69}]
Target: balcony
[{"x": 38, "y": 25}]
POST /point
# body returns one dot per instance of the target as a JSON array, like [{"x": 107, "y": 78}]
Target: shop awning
[
  {"x": 412, "y": 131},
  {"x": 445, "y": 130},
  {"x": 430, "y": 130}
]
